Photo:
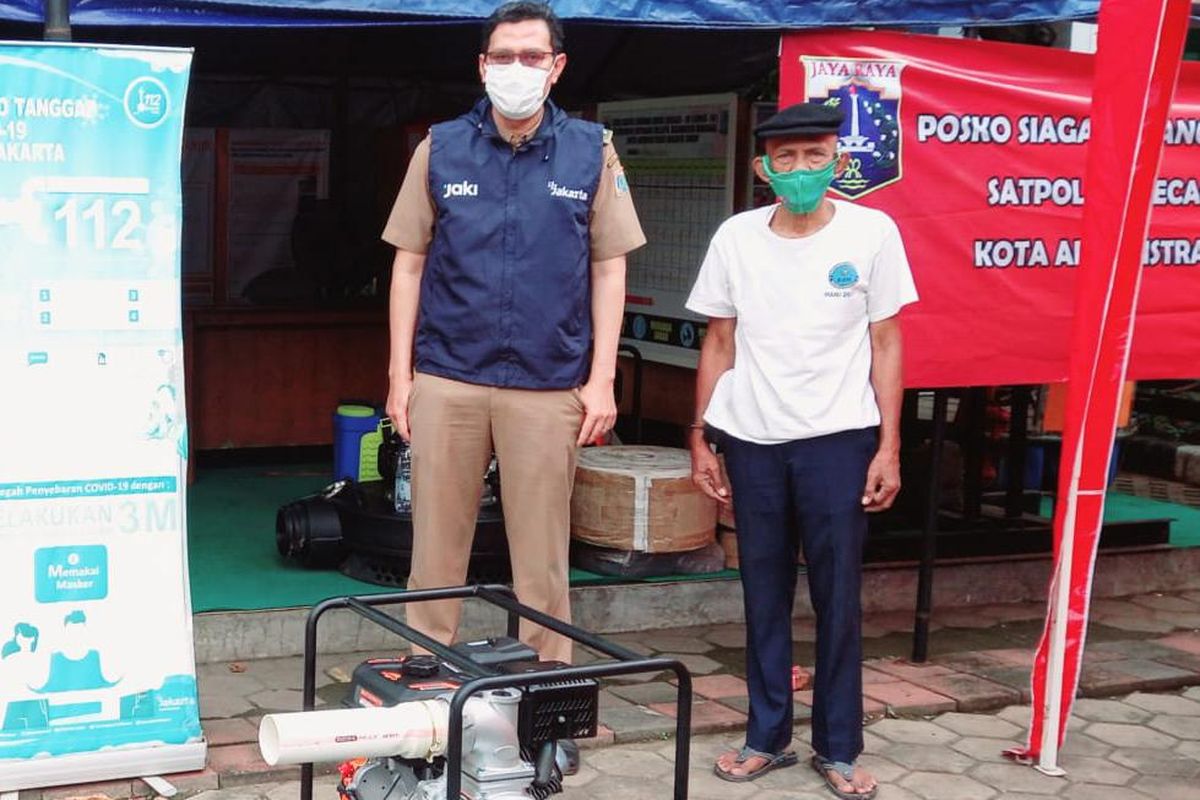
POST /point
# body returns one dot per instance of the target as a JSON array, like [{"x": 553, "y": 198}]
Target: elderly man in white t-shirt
[{"x": 799, "y": 386}]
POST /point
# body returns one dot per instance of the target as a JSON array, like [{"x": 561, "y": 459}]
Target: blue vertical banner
[{"x": 97, "y": 672}]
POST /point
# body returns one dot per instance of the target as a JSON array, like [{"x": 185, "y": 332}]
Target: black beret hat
[{"x": 802, "y": 119}]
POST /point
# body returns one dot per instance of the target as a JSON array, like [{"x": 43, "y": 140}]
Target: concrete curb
[{"x": 240, "y": 635}]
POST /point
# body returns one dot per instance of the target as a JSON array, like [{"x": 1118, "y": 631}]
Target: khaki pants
[{"x": 455, "y": 427}]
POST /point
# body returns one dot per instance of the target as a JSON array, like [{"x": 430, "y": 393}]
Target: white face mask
[{"x": 517, "y": 91}]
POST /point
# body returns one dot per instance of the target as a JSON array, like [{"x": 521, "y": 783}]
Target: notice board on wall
[
  {"x": 266, "y": 174},
  {"x": 678, "y": 154}
]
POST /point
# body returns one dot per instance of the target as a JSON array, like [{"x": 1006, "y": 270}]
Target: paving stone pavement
[
  {"x": 1143, "y": 741},
  {"x": 913, "y": 759}
]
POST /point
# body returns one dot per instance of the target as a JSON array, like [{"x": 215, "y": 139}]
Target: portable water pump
[{"x": 479, "y": 720}]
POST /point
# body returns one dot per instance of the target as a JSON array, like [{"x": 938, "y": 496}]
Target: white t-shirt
[{"x": 802, "y": 366}]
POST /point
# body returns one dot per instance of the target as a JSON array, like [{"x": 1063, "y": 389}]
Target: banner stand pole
[
  {"x": 58, "y": 21},
  {"x": 929, "y": 549}
]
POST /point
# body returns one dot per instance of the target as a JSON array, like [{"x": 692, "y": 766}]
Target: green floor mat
[
  {"x": 232, "y": 560},
  {"x": 233, "y": 563},
  {"x": 1118, "y": 507}
]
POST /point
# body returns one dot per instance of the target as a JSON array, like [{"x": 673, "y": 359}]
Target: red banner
[
  {"x": 978, "y": 151},
  {"x": 1137, "y": 66}
]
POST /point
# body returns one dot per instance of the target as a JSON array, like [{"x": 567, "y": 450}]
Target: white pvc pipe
[{"x": 416, "y": 729}]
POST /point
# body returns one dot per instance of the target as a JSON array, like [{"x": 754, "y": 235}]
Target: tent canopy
[{"x": 679, "y": 13}]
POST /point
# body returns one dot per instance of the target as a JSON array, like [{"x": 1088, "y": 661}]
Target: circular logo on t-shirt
[{"x": 843, "y": 275}]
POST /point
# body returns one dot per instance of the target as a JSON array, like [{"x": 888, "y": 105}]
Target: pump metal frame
[{"x": 625, "y": 662}]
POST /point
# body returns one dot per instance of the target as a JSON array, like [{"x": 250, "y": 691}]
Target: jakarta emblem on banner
[
  {"x": 978, "y": 151},
  {"x": 97, "y": 674}
]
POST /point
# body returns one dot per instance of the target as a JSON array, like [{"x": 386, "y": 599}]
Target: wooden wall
[
  {"x": 267, "y": 378},
  {"x": 272, "y": 378},
  {"x": 668, "y": 392}
]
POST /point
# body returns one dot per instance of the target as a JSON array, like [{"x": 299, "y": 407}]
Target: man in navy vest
[{"x": 508, "y": 289}]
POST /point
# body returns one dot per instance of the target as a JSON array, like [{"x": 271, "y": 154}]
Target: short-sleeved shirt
[
  {"x": 614, "y": 227},
  {"x": 802, "y": 363}
]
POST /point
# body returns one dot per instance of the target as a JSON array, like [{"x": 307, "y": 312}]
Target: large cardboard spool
[{"x": 641, "y": 499}]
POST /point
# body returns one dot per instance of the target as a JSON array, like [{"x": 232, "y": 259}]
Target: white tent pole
[{"x": 1048, "y": 755}]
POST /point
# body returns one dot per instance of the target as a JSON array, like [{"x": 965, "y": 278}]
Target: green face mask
[{"x": 801, "y": 189}]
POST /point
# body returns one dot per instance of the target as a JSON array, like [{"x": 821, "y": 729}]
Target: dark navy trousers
[{"x": 806, "y": 492}]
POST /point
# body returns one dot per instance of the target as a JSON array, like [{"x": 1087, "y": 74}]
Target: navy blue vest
[{"x": 506, "y": 292}]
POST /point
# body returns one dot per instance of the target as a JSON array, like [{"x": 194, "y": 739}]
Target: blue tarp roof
[{"x": 684, "y": 13}]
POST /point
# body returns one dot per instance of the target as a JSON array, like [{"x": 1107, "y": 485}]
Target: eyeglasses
[
  {"x": 787, "y": 161},
  {"x": 530, "y": 58}
]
